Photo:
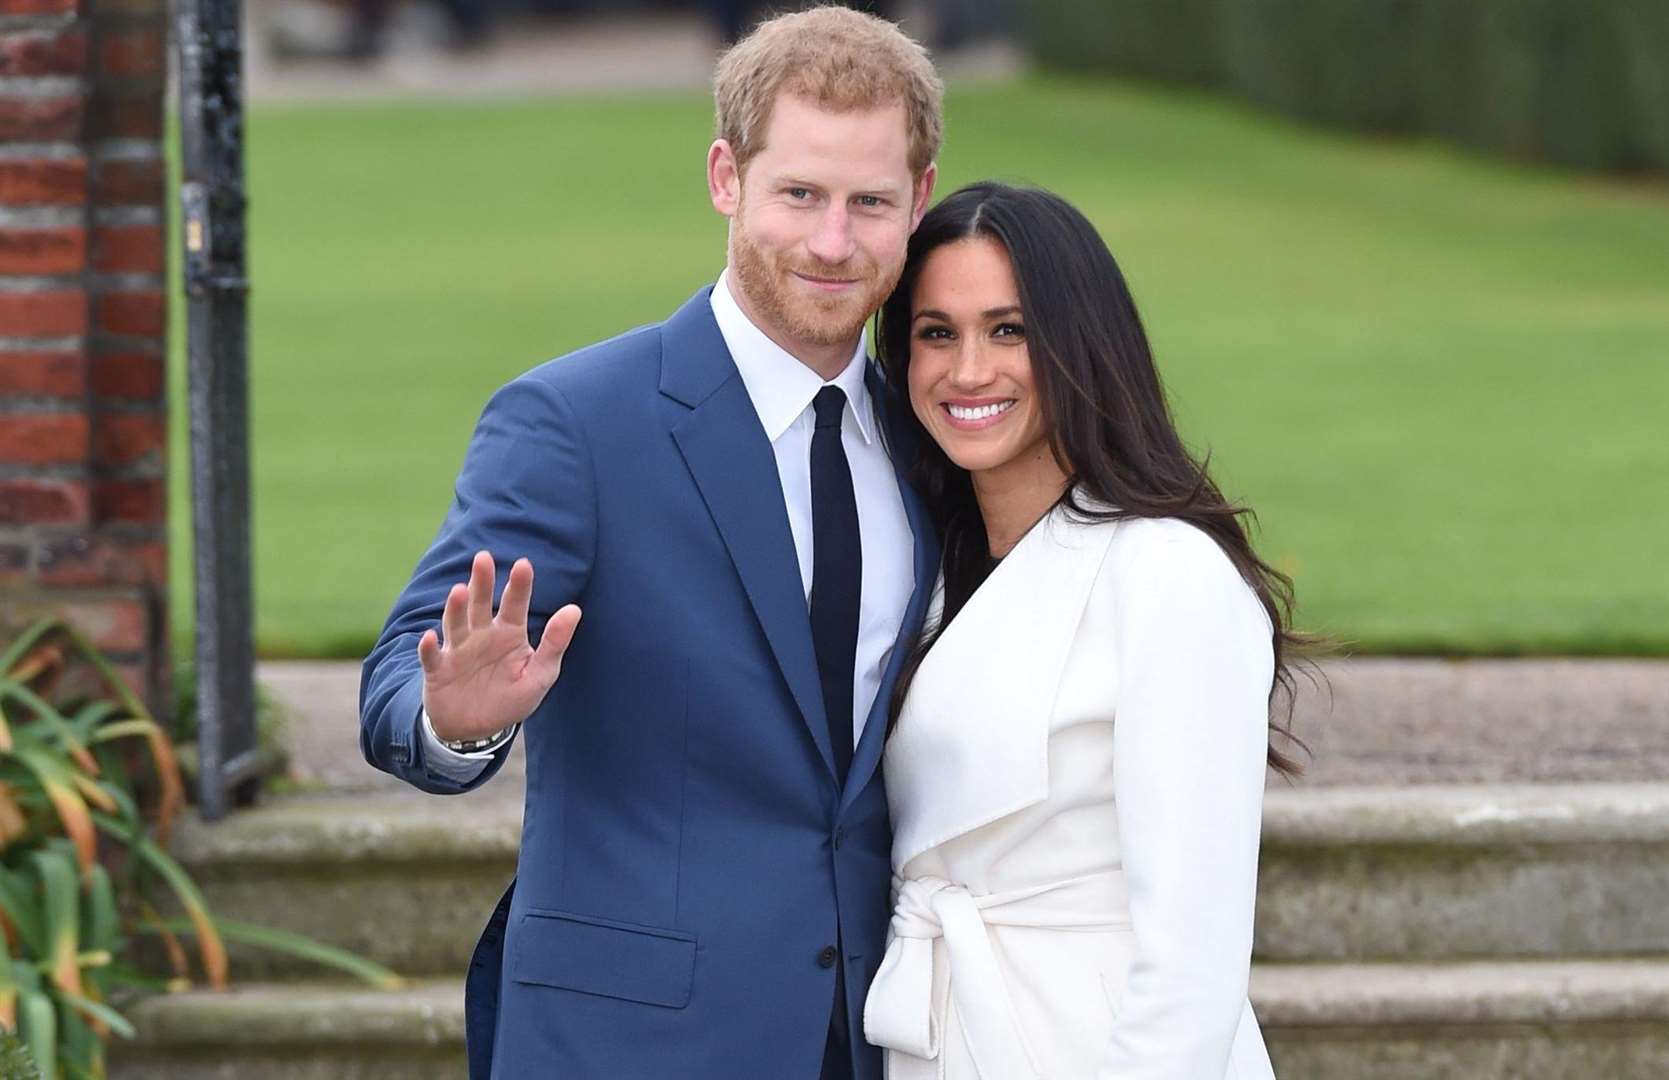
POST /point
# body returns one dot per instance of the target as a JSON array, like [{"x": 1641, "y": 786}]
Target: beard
[{"x": 768, "y": 282}]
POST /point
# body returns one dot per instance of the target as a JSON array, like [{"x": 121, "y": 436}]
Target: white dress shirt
[{"x": 782, "y": 388}]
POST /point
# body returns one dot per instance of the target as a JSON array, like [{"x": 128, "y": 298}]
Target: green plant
[{"x": 82, "y": 862}]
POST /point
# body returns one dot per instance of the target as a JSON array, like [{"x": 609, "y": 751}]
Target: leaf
[
  {"x": 8, "y": 993},
  {"x": 13, "y": 822},
  {"x": 101, "y": 926},
  {"x": 57, "y": 872},
  {"x": 37, "y": 1023},
  {"x": 98, "y": 1013},
  {"x": 20, "y": 646},
  {"x": 172, "y": 797},
  {"x": 48, "y": 717},
  {"x": 151, "y": 921},
  {"x": 304, "y": 948},
  {"x": 55, "y": 780},
  {"x": 213, "y": 950},
  {"x": 19, "y": 901}
]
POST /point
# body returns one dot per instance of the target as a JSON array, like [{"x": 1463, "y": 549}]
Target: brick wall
[{"x": 83, "y": 414}]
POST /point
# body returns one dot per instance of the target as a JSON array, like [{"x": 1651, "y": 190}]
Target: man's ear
[
  {"x": 724, "y": 179},
  {"x": 923, "y": 194}
]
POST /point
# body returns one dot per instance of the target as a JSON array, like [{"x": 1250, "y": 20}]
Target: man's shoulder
[{"x": 621, "y": 363}]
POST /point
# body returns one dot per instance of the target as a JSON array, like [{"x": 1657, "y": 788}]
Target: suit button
[
  {"x": 839, "y": 837},
  {"x": 826, "y": 958}
]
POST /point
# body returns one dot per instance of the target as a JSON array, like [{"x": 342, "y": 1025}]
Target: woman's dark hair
[{"x": 1104, "y": 405}]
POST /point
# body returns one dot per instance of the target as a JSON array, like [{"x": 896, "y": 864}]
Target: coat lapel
[
  {"x": 902, "y": 451},
  {"x": 731, "y": 460},
  {"x": 972, "y": 744}
]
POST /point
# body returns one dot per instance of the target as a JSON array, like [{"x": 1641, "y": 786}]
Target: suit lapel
[
  {"x": 731, "y": 460},
  {"x": 901, "y": 449}
]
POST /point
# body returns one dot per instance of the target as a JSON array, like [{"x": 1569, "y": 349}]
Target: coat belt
[{"x": 900, "y": 1013}]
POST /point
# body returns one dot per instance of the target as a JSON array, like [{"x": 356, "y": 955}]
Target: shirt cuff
[{"x": 442, "y": 760}]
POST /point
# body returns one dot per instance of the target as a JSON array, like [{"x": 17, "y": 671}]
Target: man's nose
[{"x": 833, "y": 242}]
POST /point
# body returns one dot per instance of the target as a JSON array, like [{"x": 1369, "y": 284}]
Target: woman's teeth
[{"x": 979, "y": 412}]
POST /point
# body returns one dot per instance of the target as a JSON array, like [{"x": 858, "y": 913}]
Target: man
[{"x": 702, "y": 889}]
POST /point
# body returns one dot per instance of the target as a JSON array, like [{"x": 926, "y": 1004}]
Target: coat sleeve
[
  {"x": 1190, "y": 739},
  {"x": 527, "y": 489}
]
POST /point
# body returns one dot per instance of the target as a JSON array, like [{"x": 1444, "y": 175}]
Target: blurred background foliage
[
  {"x": 1438, "y": 376},
  {"x": 1579, "y": 82}
]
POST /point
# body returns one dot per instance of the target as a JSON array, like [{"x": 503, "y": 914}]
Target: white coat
[{"x": 1076, "y": 786}]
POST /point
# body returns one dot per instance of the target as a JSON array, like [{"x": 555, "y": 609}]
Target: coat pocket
[{"x": 646, "y": 964}]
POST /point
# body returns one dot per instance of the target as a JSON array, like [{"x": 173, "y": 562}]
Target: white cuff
[{"x": 462, "y": 768}]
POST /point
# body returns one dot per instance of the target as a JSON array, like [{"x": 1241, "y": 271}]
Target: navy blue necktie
[{"x": 836, "y": 572}]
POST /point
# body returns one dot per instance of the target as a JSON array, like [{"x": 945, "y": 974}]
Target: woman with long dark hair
[{"x": 1080, "y": 738}]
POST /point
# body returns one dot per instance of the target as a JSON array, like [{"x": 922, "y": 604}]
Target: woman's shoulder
[{"x": 1173, "y": 557}]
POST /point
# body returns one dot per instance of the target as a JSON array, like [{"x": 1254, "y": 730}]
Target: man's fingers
[
  {"x": 558, "y": 635},
  {"x": 428, "y": 651},
  {"x": 518, "y": 592},
  {"x": 481, "y": 591},
  {"x": 454, "y": 619}
]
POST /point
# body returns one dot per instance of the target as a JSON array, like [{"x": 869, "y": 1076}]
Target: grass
[{"x": 1440, "y": 380}]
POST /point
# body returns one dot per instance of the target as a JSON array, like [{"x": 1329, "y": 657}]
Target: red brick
[
  {"x": 49, "y": 375},
  {"x": 37, "y": 7},
  {"x": 17, "y": 562},
  {"x": 129, "y": 376},
  {"x": 133, "y": 54},
  {"x": 43, "y": 252},
  {"x": 124, "y": 182},
  {"x": 113, "y": 115},
  {"x": 132, "y": 314},
  {"x": 61, "y": 313},
  {"x": 44, "y": 52},
  {"x": 40, "y": 119},
  {"x": 129, "y": 249},
  {"x": 134, "y": 501},
  {"x": 114, "y": 622},
  {"x": 43, "y": 502},
  {"x": 128, "y": 439},
  {"x": 79, "y": 559},
  {"x": 49, "y": 182},
  {"x": 43, "y": 438}
]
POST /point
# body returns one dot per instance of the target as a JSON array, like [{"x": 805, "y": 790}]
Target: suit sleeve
[
  {"x": 1190, "y": 740},
  {"x": 527, "y": 489}
]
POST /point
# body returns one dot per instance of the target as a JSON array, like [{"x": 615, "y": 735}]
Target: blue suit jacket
[{"x": 686, "y": 853}]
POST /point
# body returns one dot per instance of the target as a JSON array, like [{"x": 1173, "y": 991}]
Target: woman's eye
[
  {"x": 1011, "y": 330},
  {"x": 933, "y": 333}
]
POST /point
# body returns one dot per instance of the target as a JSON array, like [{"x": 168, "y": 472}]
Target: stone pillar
[{"x": 83, "y": 314}]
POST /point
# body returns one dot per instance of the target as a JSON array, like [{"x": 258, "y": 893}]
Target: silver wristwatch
[{"x": 486, "y": 742}]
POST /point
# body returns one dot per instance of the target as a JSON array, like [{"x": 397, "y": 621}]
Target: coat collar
[{"x": 972, "y": 743}]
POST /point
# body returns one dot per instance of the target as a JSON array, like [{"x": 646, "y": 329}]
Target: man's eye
[
  {"x": 869, "y": 201},
  {"x": 799, "y": 193}
]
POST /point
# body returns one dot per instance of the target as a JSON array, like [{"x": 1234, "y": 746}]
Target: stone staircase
[{"x": 1472, "y": 882}]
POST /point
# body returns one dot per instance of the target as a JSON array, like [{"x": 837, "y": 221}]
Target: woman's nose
[{"x": 970, "y": 371}]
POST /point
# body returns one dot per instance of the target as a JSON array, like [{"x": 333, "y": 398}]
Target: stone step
[
  {"x": 1431, "y": 872},
  {"x": 1482, "y": 1021},
  {"x": 1456, "y": 872},
  {"x": 1381, "y": 721}
]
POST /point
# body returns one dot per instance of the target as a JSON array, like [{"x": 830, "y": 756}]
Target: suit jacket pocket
[{"x": 647, "y": 964}]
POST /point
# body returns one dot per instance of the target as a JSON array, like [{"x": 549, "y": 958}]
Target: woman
[{"x": 1077, "y": 764}]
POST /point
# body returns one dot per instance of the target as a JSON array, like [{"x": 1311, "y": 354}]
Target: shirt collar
[{"x": 780, "y": 386}]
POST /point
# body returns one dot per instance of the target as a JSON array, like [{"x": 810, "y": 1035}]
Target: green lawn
[{"x": 1441, "y": 380}]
